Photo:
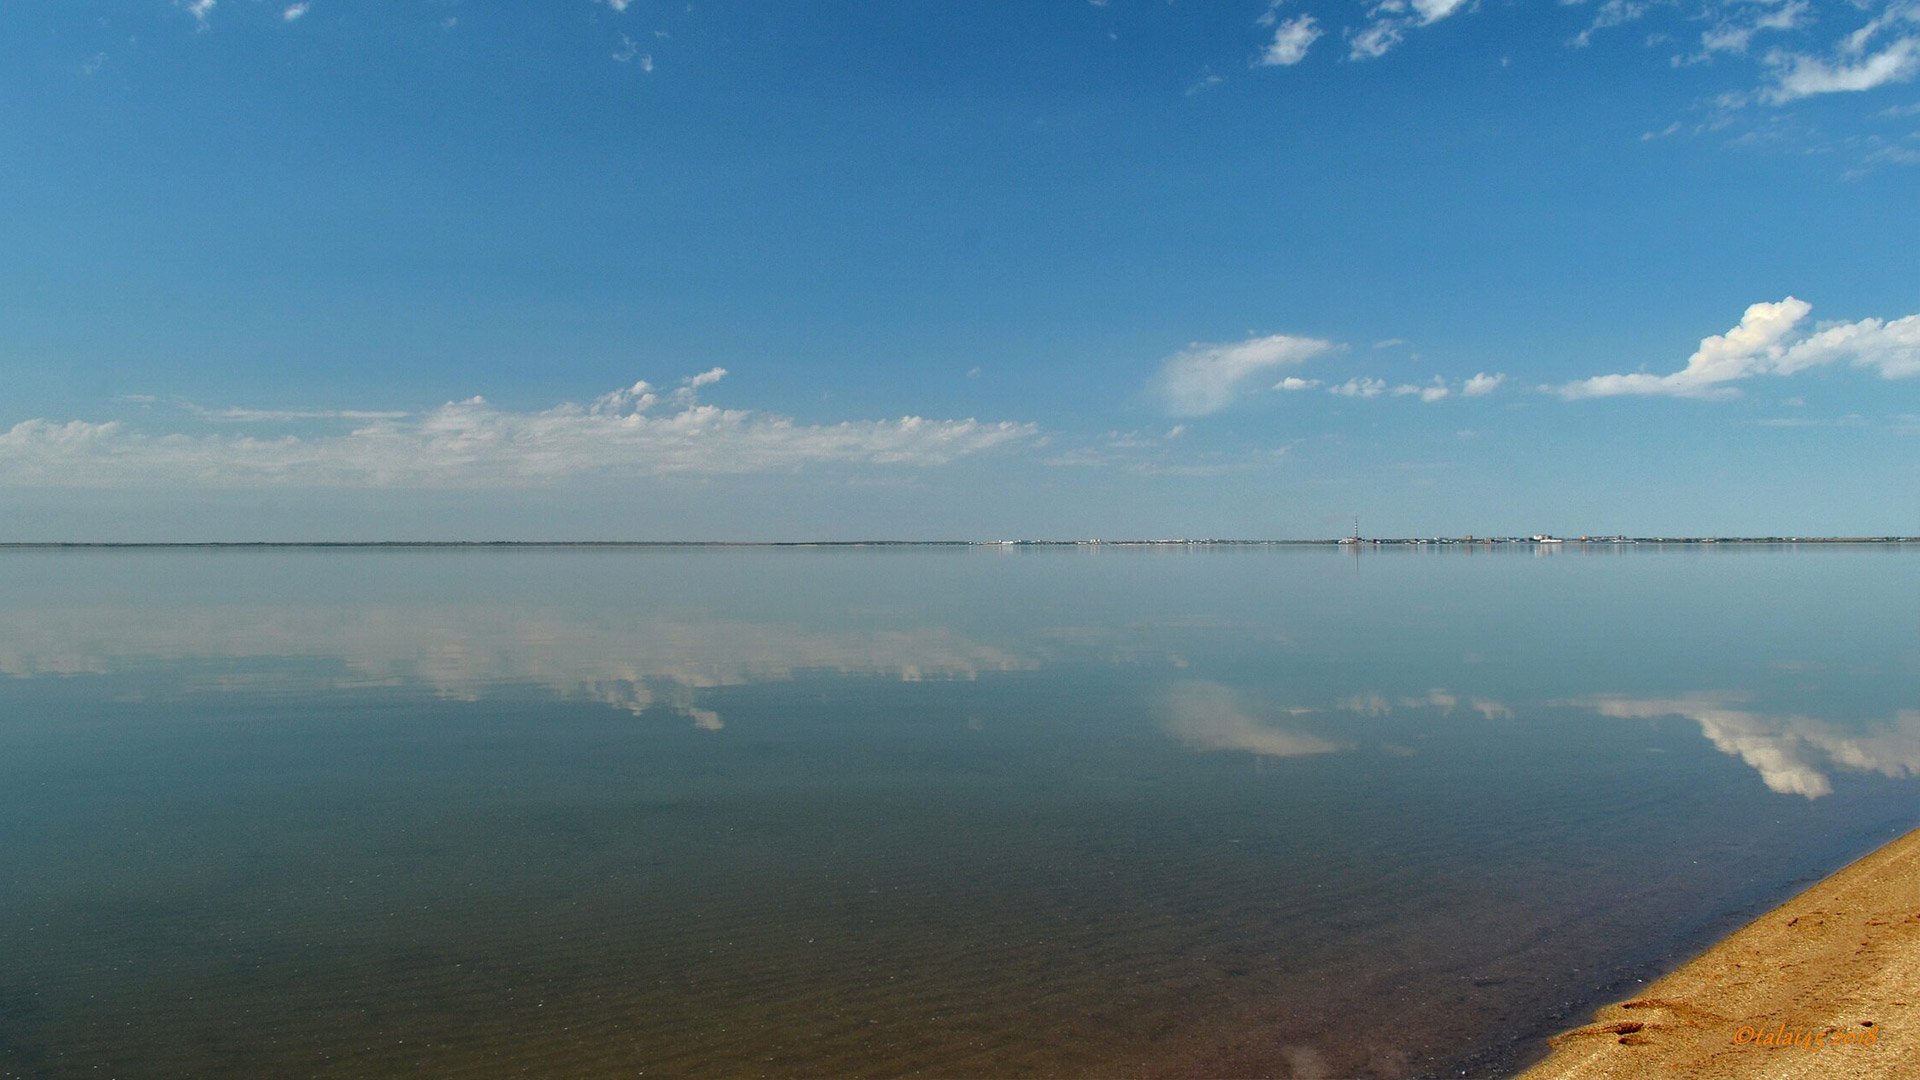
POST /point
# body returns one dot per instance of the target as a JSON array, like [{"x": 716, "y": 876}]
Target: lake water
[{"x": 926, "y": 811}]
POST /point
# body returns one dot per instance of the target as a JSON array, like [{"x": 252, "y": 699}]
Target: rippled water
[{"x": 923, "y": 811}]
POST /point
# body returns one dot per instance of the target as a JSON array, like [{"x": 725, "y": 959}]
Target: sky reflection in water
[{"x": 878, "y": 812}]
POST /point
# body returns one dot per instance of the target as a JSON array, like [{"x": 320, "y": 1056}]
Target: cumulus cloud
[
  {"x": 1362, "y": 387},
  {"x": 1437, "y": 390},
  {"x": 1791, "y": 753},
  {"x": 1769, "y": 341},
  {"x": 1209, "y": 716},
  {"x": 1293, "y": 383},
  {"x": 293, "y": 11},
  {"x": 1291, "y": 39},
  {"x": 1206, "y": 378},
  {"x": 199, "y": 9},
  {"x": 475, "y": 444}
]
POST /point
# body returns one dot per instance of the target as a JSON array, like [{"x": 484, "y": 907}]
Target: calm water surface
[{"x": 912, "y": 812}]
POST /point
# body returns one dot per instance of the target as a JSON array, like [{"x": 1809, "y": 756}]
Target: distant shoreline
[{"x": 1342, "y": 542}]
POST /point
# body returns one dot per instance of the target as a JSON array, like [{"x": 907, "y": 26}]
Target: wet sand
[{"x": 1827, "y": 984}]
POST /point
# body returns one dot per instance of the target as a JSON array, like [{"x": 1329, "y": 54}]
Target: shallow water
[{"x": 918, "y": 811}]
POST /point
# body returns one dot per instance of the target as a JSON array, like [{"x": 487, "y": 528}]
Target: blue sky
[{"x": 358, "y": 269}]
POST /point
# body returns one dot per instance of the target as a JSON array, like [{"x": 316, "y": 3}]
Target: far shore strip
[{"x": 1826, "y": 985}]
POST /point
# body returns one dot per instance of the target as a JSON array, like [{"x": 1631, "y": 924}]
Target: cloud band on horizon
[{"x": 474, "y": 444}]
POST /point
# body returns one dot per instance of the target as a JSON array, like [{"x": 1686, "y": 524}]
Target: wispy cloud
[
  {"x": 293, "y": 11},
  {"x": 1389, "y": 20},
  {"x": 1205, "y": 378},
  {"x": 1769, "y": 341},
  {"x": 1736, "y": 29},
  {"x": 1612, "y": 13},
  {"x": 238, "y": 415},
  {"x": 1291, "y": 40},
  {"x": 475, "y": 444},
  {"x": 1799, "y": 76}
]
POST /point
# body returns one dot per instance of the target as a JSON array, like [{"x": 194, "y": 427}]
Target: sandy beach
[{"x": 1825, "y": 985}]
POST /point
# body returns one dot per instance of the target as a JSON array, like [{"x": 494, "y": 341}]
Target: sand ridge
[{"x": 1826, "y": 985}]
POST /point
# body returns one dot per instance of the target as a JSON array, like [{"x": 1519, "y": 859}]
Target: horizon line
[{"x": 1343, "y": 541}]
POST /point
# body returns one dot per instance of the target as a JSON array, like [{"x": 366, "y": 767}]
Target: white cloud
[
  {"x": 294, "y": 11},
  {"x": 1206, "y": 378},
  {"x": 1432, "y": 11},
  {"x": 1376, "y": 39},
  {"x": 260, "y": 416},
  {"x": 1482, "y": 384},
  {"x": 1362, "y": 387},
  {"x": 199, "y": 9},
  {"x": 1294, "y": 383},
  {"x": 1437, "y": 390},
  {"x": 1765, "y": 344},
  {"x": 473, "y": 444},
  {"x": 617, "y": 5},
  {"x": 1797, "y": 76},
  {"x": 1291, "y": 39},
  {"x": 1390, "y": 20},
  {"x": 1612, "y": 13},
  {"x": 1735, "y": 34},
  {"x": 1207, "y": 81},
  {"x": 1209, "y": 716}
]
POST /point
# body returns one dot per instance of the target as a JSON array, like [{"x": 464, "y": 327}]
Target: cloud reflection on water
[
  {"x": 1210, "y": 716},
  {"x": 1790, "y": 752},
  {"x": 462, "y": 652}
]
